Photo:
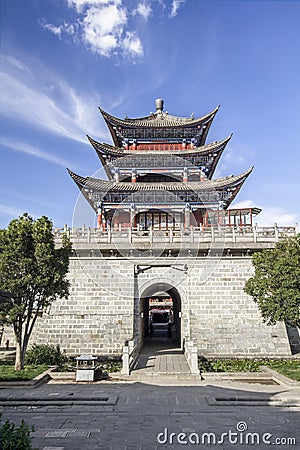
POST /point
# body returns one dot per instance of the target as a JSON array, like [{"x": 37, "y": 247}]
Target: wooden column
[
  {"x": 187, "y": 217},
  {"x": 185, "y": 177},
  {"x": 99, "y": 217},
  {"x": 133, "y": 176}
]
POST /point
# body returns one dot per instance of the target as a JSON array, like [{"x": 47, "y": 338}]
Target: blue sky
[{"x": 61, "y": 59}]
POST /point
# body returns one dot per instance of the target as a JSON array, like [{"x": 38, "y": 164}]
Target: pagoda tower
[{"x": 160, "y": 175}]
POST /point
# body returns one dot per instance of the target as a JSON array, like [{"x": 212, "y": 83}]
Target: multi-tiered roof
[{"x": 159, "y": 167}]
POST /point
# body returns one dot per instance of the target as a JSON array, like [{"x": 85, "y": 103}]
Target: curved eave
[
  {"x": 78, "y": 180},
  {"x": 105, "y": 186},
  {"x": 118, "y": 152},
  {"x": 107, "y": 149},
  {"x": 101, "y": 151},
  {"x": 238, "y": 186},
  {"x": 154, "y": 122}
]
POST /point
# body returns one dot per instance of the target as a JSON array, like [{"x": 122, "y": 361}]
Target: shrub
[
  {"x": 110, "y": 363},
  {"x": 230, "y": 365},
  {"x": 45, "y": 354},
  {"x": 15, "y": 438}
]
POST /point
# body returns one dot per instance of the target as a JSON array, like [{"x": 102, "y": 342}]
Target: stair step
[{"x": 165, "y": 375}]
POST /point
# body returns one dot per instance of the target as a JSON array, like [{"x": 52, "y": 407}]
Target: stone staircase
[{"x": 162, "y": 359}]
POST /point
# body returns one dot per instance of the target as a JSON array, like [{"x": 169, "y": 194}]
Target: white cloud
[
  {"x": 44, "y": 100},
  {"x": 80, "y": 5},
  {"x": 143, "y": 9},
  {"x": 175, "y": 7},
  {"x": 269, "y": 214},
  {"x": 70, "y": 29},
  {"x": 24, "y": 147},
  {"x": 132, "y": 44},
  {"x": 103, "y": 28},
  {"x": 53, "y": 29}
]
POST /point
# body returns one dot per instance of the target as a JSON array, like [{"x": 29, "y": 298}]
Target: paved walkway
[
  {"x": 157, "y": 412},
  {"x": 161, "y": 357},
  {"x": 149, "y": 416}
]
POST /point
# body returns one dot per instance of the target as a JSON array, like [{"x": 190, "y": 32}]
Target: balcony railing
[{"x": 227, "y": 235}]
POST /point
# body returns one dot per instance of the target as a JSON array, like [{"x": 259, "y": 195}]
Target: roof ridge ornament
[{"x": 159, "y": 104}]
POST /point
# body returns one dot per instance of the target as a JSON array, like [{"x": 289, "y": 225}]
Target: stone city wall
[{"x": 104, "y": 309}]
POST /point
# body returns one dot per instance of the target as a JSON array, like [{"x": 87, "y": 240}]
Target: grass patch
[
  {"x": 8, "y": 373},
  {"x": 288, "y": 368}
]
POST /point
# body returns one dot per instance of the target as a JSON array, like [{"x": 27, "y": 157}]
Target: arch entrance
[{"x": 160, "y": 315}]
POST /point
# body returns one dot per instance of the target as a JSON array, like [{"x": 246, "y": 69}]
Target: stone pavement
[
  {"x": 161, "y": 357},
  {"x": 143, "y": 416},
  {"x": 158, "y": 411}
]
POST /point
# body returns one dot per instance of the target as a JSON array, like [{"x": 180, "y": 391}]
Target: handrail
[
  {"x": 129, "y": 357},
  {"x": 227, "y": 234},
  {"x": 191, "y": 354}
]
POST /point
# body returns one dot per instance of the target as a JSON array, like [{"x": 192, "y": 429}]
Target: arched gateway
[{"x": 159, "y": 314}]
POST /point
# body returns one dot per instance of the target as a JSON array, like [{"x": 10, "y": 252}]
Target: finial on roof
[{"x": 159, "y": 103}]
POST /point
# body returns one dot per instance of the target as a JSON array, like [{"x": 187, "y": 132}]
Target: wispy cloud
[
  {"x": 52, "y": 28},
  {"x": 80, "y": 5},
  {"x": 24, "y": 147},
  {"x": 269, "y": 214},
  {"x": 44, "y": 100},
  {"x": 10, "y": 211},
  {"x": 143, "y": 9},
  {"x": 132, "y": 44},
  {"x": 232, "y": 161},
  {"x": 175, "y": 7}
]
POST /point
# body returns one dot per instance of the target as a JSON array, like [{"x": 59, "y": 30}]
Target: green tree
[
  {"x": 275, "y": 286},
  {"x": 34, "y": 271}
]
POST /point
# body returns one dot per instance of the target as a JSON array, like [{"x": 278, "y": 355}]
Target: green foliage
[
  {"x": 34, "y": 271},
  {"x": 275, "y": 286},
  {"x": 15, "y": 438},
  {"x": 107, "y": 364},
  {"x": 110, "y": 365},
  {"x": 288, "y": 368},
  {"x": 45, "y": 354},
  {"x": 230, "y": 365},
  {"x": 8, "y": 372}
]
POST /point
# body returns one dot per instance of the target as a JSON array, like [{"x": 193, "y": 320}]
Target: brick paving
[
  {"x": 145, "y": 411},
  {"x": 149, "y": 413}
]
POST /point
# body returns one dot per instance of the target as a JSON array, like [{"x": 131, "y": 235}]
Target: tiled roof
[
  {"x": 111, "y": 186},
  {"x": 158, "y": 120},
  {"x": 120, "y": 151}
]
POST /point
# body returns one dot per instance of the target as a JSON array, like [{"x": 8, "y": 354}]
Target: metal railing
[{"x": 227, "y": 234}]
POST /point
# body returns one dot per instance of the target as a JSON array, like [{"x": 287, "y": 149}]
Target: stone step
[{"x": 164, "y": 375}]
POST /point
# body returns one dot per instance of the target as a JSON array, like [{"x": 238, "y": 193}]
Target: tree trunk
[
  {"x": 19, "y": 362},
  {"x": 20, "y": 353}
]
